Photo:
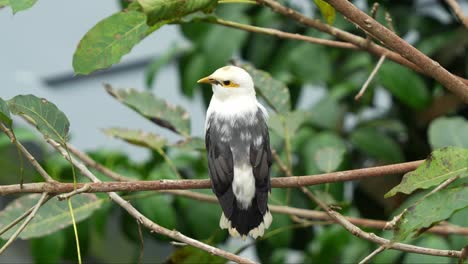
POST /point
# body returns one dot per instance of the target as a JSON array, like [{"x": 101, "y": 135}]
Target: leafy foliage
[
  {"x": 5, "y": 113},
  {"x": 52, "y": 216},
  {"x": 316, "y": 125},
  {"x": 442, "y": 165},
  {"x": 435, "y": 208},
  {"x": 137, "y": 137},
  {"x": 328, "y": 12},
  {"x": 444, "y": 132},
  {"x": 47, "y": 118},
  {"x": 18, "y": 5},
  {"x": 109, "y": 40},
  {"x": 159, "y": 111},
  {"x": 275, "y": 92}
]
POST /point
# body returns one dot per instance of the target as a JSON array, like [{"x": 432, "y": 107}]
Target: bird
[{"x": 238, "y": 150}]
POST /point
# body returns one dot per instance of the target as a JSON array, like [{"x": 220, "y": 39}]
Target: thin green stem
[
  {"x": 75, "y": 230},
  {"x": 21, "y": 169},
  {"x": 72, "y": 166}
]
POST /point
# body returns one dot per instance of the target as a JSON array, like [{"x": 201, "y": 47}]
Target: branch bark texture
[{"x": 283, "y": 182}]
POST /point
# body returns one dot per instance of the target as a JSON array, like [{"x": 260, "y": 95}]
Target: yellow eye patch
[{"x": 229, "y": 84}]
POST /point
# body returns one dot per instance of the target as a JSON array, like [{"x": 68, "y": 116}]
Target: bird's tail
[{"x": 243, "y": 222}]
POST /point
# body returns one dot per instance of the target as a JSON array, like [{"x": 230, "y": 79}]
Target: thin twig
[
  {"x": 25, "y": 223},
  {"x": 99, "y": 167},
  {"x": 458, "y": 12},
  {"x": 394, "y": 42},
  {"x": 373, "y": 254},
  {"x": 369, "y": 79},
  {"x": 26, "y": 153},
  {"x": 174, "y": 234},
  {"x": 83, "y": 189},
  {"x": 389, "y": 20},
  {"x": 277, "y": 182},
  {"x": 282, "y": 34},
  {"x": 364, "y": 44},
  {"x": 356, "y": 231},
  {"x": 21, "y": 217}
]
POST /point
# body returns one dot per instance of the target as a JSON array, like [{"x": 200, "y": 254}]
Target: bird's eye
[{"x": 226, "y": 82}]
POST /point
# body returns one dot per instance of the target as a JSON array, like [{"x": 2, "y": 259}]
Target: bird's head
[{"x": 230, "y": 81}]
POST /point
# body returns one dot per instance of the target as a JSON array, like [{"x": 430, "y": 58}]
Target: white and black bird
[{"x": 239, "y": 155}]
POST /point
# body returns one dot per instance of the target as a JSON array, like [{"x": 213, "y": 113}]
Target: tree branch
[
  {"x": 282, "y": 34},
  {"x": 371, "y": 76},
  {"x": 391, "y": 40},
  {"x": 349, "y": 37},
  {"x": 458, "y": 12},
  {"x": 356, "y": 231},
  {"x": 174, "y": 234},
  {"x": 444, "y": 229},
  {"x": 279, "y": 182}
]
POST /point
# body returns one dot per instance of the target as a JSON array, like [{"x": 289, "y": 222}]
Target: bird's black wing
[
  {"x": 261, "y": 159},
  {"x": 220, "y": 168}
]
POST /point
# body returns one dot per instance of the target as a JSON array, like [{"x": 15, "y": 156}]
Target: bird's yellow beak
[{"x": 207, "y": 79}]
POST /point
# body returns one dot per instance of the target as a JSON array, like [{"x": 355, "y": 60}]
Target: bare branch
[
  {"x": 391, "y": 40},
  {"x": 354, "y": 39},
  {"x": 373, "y": 254},
  {"x": 282, "y": 34},
  {"x": 371, "y": 76},
  {"x": 83, "y": 189},
  {"x": 458, "y": 12},
  {"x": 174, "y": 234},
  {"x": 277, "y": 182},
  {"x": 25, "y": 223},
  {"x": 26, "y": 153},
  {"x": 376, "y": 239}
]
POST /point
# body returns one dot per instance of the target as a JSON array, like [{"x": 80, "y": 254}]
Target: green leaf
[
  {"x": 275, "y": 93},
  {"x": 20, "y": 5},
  {"x": 318, "y": 150},
  {"x": 159, "y": 10},
  {"x": 328, "y": 158},
  {"x": 377, "y": 145},
  {"x": 109, "y": 40},
  {"x": 305, "y": 71},
  {"x": 47, "y": 118},
  {"x": 452, "y": 131},
  {"x": 137, "y": 137},
  {"x": 327, "y": 113},
  {"x": 192, "y": 143},
  {"x": 290, "y": 120},
  {"x": 157, "y": 110},
  {"x": 431, "y": 210},
  {"x": 52, "y": 216},
  {"x": 441, "y": 165},
  {"x": 5, "y": 113},
  {"x": 159, "y": 62},
  {"x": 404, "y": 84},
  {"x": 188, "y": 255},
  {"x": 328, "y": 12}
]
